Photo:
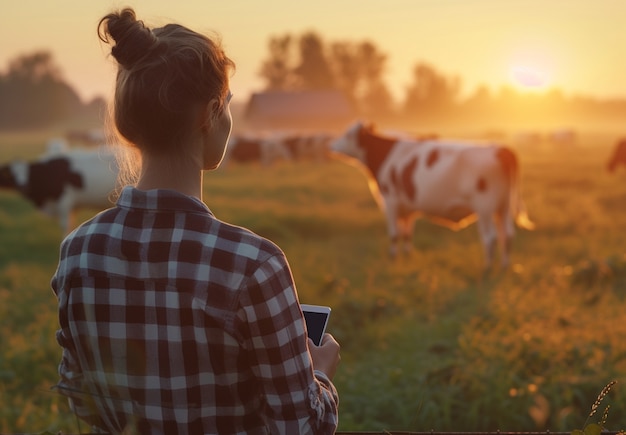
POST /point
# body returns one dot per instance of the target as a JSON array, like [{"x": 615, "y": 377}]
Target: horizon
[{"x": 529, "y": 45}]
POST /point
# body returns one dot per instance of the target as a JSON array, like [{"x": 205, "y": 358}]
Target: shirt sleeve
[
  {"x": 299, "y": 399},
  {"x": 71, "y": 378}
]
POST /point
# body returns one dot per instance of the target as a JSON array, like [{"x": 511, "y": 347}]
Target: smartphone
[{"x": 316, "y": 317}]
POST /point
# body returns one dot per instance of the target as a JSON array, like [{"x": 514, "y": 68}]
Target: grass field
[{"x": 427, "y": 341}]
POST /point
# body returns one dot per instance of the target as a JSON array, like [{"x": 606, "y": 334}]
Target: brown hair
[{"x": 163, "y": 75}]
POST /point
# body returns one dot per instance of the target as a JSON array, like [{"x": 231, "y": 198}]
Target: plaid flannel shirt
[{"x": 174, "y": 322}]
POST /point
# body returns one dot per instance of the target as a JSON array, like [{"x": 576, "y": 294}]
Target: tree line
[
  {"x": 308, "y": 62},
  {"x": 34, "y": 94}
]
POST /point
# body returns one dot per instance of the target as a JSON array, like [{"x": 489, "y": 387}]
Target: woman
[{"x": 173, "y": 321}]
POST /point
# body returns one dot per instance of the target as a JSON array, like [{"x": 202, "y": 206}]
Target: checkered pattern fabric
[{"x": 174, "y": 322}]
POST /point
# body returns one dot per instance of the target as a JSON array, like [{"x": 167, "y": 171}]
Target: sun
[{"x": 529, "y": 77}]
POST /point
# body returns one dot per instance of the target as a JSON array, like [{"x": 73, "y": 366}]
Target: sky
[{"x": 577, "y": 46}]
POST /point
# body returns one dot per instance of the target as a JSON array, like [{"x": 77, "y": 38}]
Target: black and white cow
[
  {"x": 453, "y": 183},
  {"x": 63, "y": 180}
]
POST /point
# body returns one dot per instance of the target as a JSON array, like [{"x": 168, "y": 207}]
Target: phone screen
[{"x": 316, "y": 325}]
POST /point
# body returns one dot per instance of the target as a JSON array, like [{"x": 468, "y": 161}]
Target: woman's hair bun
[{"x": 133, "y": 40}]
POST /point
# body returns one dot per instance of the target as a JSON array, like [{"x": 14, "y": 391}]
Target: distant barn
[{"x": 300, "y": 110}]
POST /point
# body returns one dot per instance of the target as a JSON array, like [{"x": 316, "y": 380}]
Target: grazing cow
[
  {"x": 243, "y": 150},
  {"x": 565, "y": 136},
  {"x": 63, "y": 180},
  {"x": 453, "y": 183},
  {"x": 307, "y": 147},
  {"x": 528, "y": 138},
  {"x": 265, "y": 150},
  {"x": 618, "y": 157}
]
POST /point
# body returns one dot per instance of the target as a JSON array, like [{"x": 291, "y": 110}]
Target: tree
[
  {"x": 356, "y": 69},
  {"x": 346, "y": 70},
  {"x": 359, "y": 70},
  {"x": 297, "y": 63},
  {"x": 314, "y": 71},
  {"x": 33, "y": 93},
  {"x": 479, "y": 104},
  {"x": 277, "y": 69},
  {"x": 376, "y": 99},
  {"x": 34, "y": 68},
  {"x": 431, "y": 94}
]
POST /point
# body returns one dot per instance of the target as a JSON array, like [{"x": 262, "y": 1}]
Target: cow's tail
[
  {"x": 618, "y": 156},
  {"x": 509, "y": 162}
]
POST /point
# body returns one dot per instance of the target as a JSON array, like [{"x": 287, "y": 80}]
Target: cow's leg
[
  {"x": 266, "y": 153},
  {"x": 407, "y": 224},
  {"x": 393, "y": 246},
  {"x": 392, "y": 231},
  {"x": 489, "y": 238},
  {"x": 66, "y": 221},
  {"x": 64, "y": 210},
  {"x": 507, "y": 231}
]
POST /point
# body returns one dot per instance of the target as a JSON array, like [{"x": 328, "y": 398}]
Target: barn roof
[{"x": 317, "y": 109}]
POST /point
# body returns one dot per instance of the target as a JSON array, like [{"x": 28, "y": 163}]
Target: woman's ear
[
  {"x": 214, "y": 108},
  {"x": 209, "y": 113}
]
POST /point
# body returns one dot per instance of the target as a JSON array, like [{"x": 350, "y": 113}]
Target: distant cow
[
  {"x": 307, "y": 146},
  {"x": 453, "y": 183},
  {"x": 264, "y": 150},
  {"x": 564, "y": 136},
  {"x": 63, "y": 180},
  {"x": 618, "y": 157}
]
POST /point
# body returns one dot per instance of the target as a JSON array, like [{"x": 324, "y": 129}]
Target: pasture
[{"x": 427, "y": 341}]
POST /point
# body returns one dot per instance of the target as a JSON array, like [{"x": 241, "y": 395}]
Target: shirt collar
[{"x": 160, "y": 199}]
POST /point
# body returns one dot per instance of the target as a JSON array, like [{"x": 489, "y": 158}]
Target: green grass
[{"x": 427, "y": 341}]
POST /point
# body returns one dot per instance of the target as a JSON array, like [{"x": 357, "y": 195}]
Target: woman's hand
[{"x": 325, "y": 356}]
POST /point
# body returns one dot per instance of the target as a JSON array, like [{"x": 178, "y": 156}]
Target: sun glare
[{"x": 529, "y": 77}]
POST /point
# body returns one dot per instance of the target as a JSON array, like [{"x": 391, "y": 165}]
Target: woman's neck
[{"x": 163, "y": 172}]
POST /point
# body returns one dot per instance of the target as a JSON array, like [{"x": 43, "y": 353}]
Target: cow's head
[
  {"x": 350, "y": 143},
  {"x": 13, "y": 175}
]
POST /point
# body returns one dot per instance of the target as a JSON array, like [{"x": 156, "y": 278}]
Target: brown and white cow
[{"x": 453, "y": 183}]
